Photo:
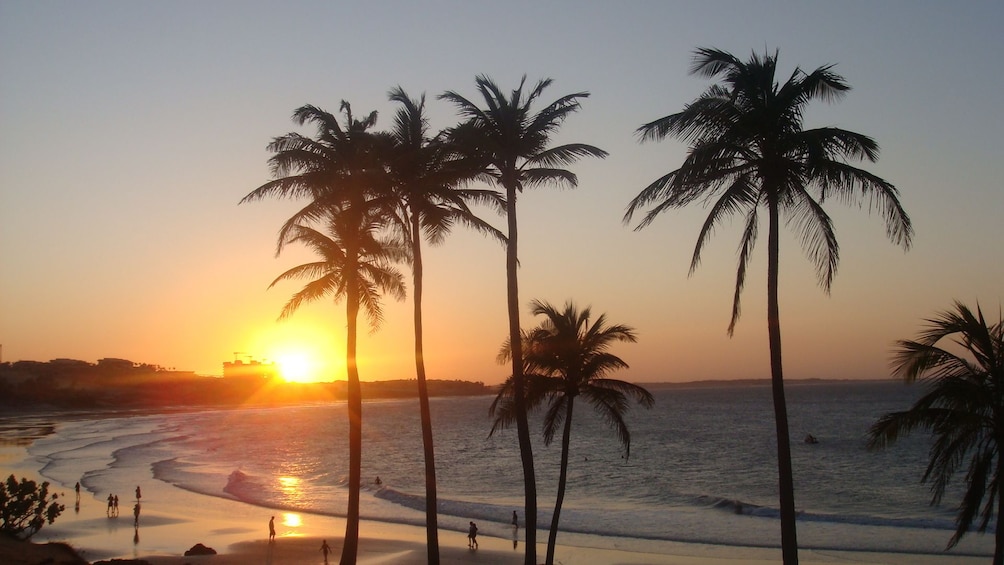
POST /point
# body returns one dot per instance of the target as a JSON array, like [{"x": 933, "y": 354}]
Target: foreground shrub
[{"x": 26, "y": 506}]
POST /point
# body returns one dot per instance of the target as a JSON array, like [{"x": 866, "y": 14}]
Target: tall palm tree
[
  {"x": 566, "y": 357},
  {"x": 511, "y": 140},
  {"x": 428, "y": 181},
  {"x": 963, "y": 409},
  {"x": 749, "y": 152},
  {"x": 342, "y": 171}
]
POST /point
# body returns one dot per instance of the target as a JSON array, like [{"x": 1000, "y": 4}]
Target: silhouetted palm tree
[
  {"x": 431, "y": 201},
  {"x": 566, "y": 357},
  {"x": 963, "y": 408},
  {"x": 342, "y": 170},
  {"x": 511, "y": 140},
  {"x": 748, "y": 152}
]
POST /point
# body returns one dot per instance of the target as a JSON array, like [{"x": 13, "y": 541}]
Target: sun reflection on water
[
  {"x": 291, "y": 520},
  {"x": 292, "y": 495}
]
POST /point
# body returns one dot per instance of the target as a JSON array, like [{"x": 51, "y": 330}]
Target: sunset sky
[{"x": 130, "y": 131}]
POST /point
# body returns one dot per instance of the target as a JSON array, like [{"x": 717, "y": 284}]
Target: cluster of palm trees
[{"x": 374, "y": 196}]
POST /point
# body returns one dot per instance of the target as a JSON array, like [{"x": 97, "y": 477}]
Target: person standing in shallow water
[{"x": 271, "y": 529}]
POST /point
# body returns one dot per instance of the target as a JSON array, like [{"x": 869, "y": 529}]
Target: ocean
[{"x": 702, "y": 467}]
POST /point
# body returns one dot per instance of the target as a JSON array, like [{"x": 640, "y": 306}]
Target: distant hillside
[{"x": 122, "y": 384}]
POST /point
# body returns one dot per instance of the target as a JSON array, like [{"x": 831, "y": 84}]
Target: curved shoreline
[{"x": 172, "y": 514}]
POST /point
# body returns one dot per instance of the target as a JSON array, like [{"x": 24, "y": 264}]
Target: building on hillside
[{"x": 249, "y": 368}]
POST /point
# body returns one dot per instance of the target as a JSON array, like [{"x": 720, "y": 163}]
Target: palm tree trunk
[
  {"x": 789, "y": 540},
  {"x": 518, "y": 385},
  {"x": 431, "y": 519},
  {"x": 355, "y": 408},
  {"x": 999, "y": 541},
  {"x": 566, "y": 435}
]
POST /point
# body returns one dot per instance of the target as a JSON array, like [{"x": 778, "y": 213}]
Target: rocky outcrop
[{"x": 199, "y": 549}]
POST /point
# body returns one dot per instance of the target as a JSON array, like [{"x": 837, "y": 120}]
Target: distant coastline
[{"x": 68, "y": 384}]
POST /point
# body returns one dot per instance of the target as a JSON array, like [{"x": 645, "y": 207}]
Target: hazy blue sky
[{"x": 130, "y": 130}]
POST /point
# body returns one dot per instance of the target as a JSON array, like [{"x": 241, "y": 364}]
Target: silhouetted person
[
  {"x": 472, "y": 536},
  {"x": 378, "y": 481},
  {"x": 115, "y": 505},
  {"x": 76, "y": 487},
  {"x": 271, "y": 529},
  {"x": 325, "y": 549},
  {"x": 135, "y": 513},
  {"x": 111, "y": 500},
  {"x": 515, "y": 519},
  {"x": 138, "y": 495}
]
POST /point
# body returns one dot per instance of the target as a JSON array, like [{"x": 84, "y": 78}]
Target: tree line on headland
[{"x": 117, "y": 384}]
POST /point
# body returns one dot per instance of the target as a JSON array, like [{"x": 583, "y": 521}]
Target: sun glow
[
  {"x": 297, "y": 367},
  {"x": 302, "y": 350}
]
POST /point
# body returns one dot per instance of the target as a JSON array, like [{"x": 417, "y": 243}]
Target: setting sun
[{"x": 297, "y": 368}]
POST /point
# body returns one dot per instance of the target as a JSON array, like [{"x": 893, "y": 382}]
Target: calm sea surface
[{"x": 702, "y": 467}]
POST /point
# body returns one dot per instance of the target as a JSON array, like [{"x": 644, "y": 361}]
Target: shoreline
[{"x": 173, "y": 520}]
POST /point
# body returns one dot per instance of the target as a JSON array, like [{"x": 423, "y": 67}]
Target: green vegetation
[
  {"x": 750, "y": 153},
  {"x": 963, "y": 409},
  {"x": 26, "y": 506}
]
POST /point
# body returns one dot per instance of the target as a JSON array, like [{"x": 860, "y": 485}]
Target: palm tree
[
  {"x": 566, "y": 357},
  {"x": 431, "y": 202},
  {"x": 749, "y": 151},
  {"x": 512, "y": 142},
  {"x": 963, "y": 408},
  {"x": 343, "y": 171}
]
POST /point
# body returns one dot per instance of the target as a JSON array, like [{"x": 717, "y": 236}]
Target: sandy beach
[{"x": 173, "y": 520}]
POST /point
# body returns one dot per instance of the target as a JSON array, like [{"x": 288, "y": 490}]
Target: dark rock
[{"x": 199, "y": 549}]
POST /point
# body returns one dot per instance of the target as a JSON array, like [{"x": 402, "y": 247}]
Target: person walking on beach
[
  {"x": 472, "y": 536},
  {"x": 111, "y": 500},
  {"x": 325, "y": 549},
  {"x": 115, "y": 505},
  {"x": 271, "y": 529},
  {"x": 76, "y": 487},
  {"x": 515, "y": 520},
  {"x": 137, "y": 493}
]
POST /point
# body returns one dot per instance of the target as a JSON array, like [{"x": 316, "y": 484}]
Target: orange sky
[{"x": 130, "y": 131}]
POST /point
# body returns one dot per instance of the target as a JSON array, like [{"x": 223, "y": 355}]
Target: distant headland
[{"x": 72, "y": 384}]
